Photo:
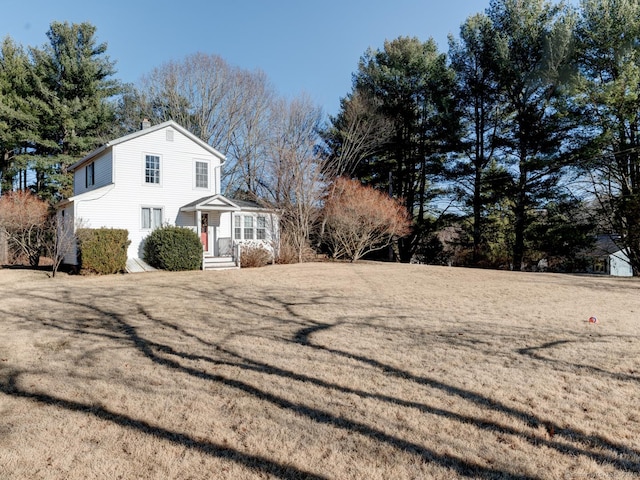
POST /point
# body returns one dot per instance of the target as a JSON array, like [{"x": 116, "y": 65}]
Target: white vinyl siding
[
  {"x": 120, "y": 205},
  {"x": 151, "y": 218},
  {"x": 152, "y": 169},
  {"x": 100, "y": 170}
]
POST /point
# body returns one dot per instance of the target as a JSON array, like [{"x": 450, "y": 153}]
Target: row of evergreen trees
[
  {"x": 529, "y": 126},
  {"x": 56, "y": 104}
]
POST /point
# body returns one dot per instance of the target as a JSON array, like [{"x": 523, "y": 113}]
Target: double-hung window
[
  {"x": 261, "y": 228},
  {"x": 202, "y": 175},
  {"x": 248, "y": 227},
  {"x": 152, "y": 169},
  {"x": 89, "y": 177},
  {"x": 237, "y": 227},
  {"x": 151, "y": 217}
]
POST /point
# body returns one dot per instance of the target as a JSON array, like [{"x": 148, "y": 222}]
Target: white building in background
[{"x": 609, "y": 258}]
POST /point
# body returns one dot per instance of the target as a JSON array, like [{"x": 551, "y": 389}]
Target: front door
[{"x": 204, "y": 231}]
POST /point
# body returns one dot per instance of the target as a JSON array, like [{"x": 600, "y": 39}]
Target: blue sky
[{"x": 302, "y": 46}]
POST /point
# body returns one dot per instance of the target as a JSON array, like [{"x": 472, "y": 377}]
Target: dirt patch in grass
[{"x": 366, "y": 371}]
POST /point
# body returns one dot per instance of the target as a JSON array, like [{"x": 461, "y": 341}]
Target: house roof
[
  {"x": 212, "y": 202},
  {"x": 245, "y": 204},
  {"x": 146, "y": 131},
  {"x": 605, "y": 245},
  {"x": 220, "y": 202}
]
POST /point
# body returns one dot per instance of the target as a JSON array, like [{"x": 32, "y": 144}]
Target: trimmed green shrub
[
  {"x": 102, "y": 250},
  {"x": 173, "y": 248}
]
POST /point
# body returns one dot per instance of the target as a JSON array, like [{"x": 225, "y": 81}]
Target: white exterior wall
[
  {"x": 619, "y": 265},
  {"x": 66, "y": 228},
  {"x": 120, "y": 205},
  {"x": 103, "y": 174}
]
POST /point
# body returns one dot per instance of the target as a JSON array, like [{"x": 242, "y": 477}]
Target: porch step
[{"x": 219, "y": 263}]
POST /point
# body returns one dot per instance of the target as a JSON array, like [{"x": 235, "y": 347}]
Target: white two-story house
[{"x": 161, "y": 175}]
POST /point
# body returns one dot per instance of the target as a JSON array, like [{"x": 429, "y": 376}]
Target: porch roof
[{"x": 216, "y": 203}]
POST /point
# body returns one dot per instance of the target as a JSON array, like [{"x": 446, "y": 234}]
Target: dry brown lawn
[{"x": 363, "y": 371}]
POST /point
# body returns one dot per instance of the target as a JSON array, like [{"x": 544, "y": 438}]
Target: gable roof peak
[{"x": 144, "y": 131}]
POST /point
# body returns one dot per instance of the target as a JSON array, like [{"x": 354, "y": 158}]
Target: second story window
[
  {"x": 90, "y": 178},
  {"x": 202, "y": 175},
  {"x": 152, "y": 169}
]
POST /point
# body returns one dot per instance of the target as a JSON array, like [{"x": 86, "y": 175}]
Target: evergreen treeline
[
  {"x": 528, "y": 127},
  {"x": 56, "y": 105}
]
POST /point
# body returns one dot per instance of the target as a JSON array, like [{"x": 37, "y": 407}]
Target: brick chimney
[{"x": 145, "y": 124}]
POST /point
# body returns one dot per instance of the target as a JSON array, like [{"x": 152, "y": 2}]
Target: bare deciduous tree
[
  {"x": 356, "y": 134},
  {"x": 292, "y": 181},
  {"x": 61, "y": 239},
  {"x": 223, "y": 105},
  {"x": 23, "y": 217},
  {"x": 359, "y": 219}
]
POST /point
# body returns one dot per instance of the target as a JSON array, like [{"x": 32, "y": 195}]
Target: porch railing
[{"x": 236, "y": 253}]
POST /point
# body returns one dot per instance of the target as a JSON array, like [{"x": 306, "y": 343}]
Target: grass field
[{"x": 364, "y": 371}]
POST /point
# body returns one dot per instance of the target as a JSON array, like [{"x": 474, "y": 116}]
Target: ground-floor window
[
  {"x": 261, "y": 227},
  {"x": 250, "y": 227},
  {"x": 151, "y": 217}
]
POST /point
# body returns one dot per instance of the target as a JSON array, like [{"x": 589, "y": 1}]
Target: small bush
[
  {"x": 255, "y": 255},
  {"x": 103, "y": 250},
  {"x": 287, "y": 252},
  {"x": 174, "y": 249}
]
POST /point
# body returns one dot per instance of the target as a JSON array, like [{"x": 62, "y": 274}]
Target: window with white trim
[
  {"x": 151, "y": 218},
  {"x": 237, "y": 227},
  {"x": 89, "y": 175},
  {"x": 261, "y": 227},
  {"x": 152, "y": 169},
  {"x": 249, "y": 227},
  {"x": 202, "y": 174}
]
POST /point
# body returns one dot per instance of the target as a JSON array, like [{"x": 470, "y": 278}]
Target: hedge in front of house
[
  {"x": 103, "y": 250},
  {"x": 173, "y": 248}
]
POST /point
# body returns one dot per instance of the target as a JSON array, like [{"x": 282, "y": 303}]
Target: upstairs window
[
  {"x": 89, "y": 177},
  {"x": 202, "y": 175},
  {"x": 152, "y": 169}
]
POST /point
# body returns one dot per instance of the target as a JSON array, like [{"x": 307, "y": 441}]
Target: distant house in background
[
  {"x": 608, "y": 258},
  {"x": 164, "y": 175}
]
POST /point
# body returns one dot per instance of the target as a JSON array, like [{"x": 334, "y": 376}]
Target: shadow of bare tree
[{"x": 111, "y": 324}]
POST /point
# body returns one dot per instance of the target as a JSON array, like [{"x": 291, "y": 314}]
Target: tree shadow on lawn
[
  {"x": 151, "y": 349},
  {"x": 254, "y": 462},
  {"x": 532, "y": 352},
  {"x": 302, "y": 337},
  {"x": 114, "y": 326}
]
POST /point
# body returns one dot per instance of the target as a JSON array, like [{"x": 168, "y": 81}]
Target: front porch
[
  {"x": 210, "y": 262},
  {"x": 212, "y": 218}
]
